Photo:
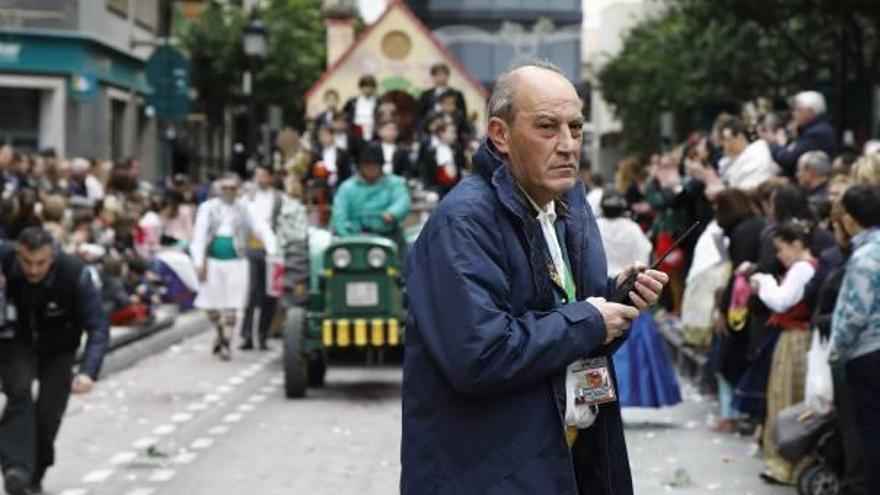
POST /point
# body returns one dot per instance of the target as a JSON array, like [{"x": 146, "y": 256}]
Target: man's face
[
  {"x": 371, "y": 172},
  {"x": 802, "y": 115},
  {"x": 440, "y": 77},
  {"x": 804, "y": 175},
  {"x": 325, "y": 137},
  {"x": 228, "y": 190},
  {"x": 263, "y": 178},
  {"x": 448, "y": 105},
  {"x": 37, "y": 263},
  {"x": 543, "y": 145}
]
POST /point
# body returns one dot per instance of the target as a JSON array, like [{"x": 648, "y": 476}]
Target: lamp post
[{"x": 256, "y": 48}]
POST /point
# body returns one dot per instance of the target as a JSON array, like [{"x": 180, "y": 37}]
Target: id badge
[{"x": 592, "y": 382}]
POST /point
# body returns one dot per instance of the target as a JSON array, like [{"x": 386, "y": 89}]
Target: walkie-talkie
[{"x": 621, "y": 294}]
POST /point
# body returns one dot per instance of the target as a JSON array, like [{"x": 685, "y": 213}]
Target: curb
[{"x": 184, "y": 326}]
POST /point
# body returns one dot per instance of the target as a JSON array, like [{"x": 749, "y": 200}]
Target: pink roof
[{"x": 421, "y": 27}]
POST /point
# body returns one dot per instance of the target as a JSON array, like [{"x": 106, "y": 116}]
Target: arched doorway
[{"x": 406, "y": 112}]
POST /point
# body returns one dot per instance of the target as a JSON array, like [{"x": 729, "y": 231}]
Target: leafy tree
[
  {"x": 213, "y": 44},
  {"x": 297, "y": 55},
  {"x": 701, "y": 53}
]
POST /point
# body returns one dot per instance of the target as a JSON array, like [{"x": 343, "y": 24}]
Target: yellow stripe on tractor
[
  {"x": 377, "y": 336},
  {"x": 343, "y": 337},
  {"x": 376, "y": 332},
  {"x": 392, "y": 332},
  {"x": 360, "y": 332},
  {"x": 327, "y": 332}
]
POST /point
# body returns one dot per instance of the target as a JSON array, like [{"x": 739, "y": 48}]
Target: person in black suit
[
  {"x": 361, "y": 110},
  {"x": 330, "y": 164},
  {"x": 395, "y": 155},
  {"x": 344, "y": 137},
  {"x": 331, "y": 104},
  {"x": 429, "y": 101}
]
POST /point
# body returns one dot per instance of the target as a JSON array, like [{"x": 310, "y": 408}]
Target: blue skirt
[{"x": 645, "y": 375}]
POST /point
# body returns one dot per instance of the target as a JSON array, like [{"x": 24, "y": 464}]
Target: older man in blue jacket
[{"x": 507, "y": 286}]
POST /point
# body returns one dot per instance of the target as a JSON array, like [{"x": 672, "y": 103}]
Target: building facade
[
  {"x": 72, "y": 77},
  {"x": 488, "y": 36}
]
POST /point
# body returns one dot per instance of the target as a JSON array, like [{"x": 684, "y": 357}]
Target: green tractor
[{"x": 355, "y": 302}]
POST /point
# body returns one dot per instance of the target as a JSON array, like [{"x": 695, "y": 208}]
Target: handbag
[{"x": 798, "y": 429}]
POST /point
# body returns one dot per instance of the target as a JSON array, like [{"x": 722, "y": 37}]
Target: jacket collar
[
  {"x": 494, "y": 169},
  {"x": 570, "y": 209}
]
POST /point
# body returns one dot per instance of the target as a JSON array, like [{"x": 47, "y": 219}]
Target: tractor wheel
[{"x": 294, "y": 353}]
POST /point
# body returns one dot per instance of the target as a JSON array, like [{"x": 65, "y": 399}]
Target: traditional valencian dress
[{"x": 788, "y": 368}]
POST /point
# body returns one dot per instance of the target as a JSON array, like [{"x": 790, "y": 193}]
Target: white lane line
[
  {"x": 141, "y": 491},
  {"x": 257, "y": 398},
  {"x": 164, "y": 429},
  {"x": 277, "y": 380},
  {"x": 181, "y": 417},
  {"x": 218, "y": 430},
  {"x": 236, "y": 380},
  {"x": 232, "y": 418},
  {"x": 184, "y": 457},
  {"x": 74, "y": 491},
  {"x": 245, "y": 407},
  {"x": 224, "y": 389},
  {"x": 268, "y": 389},
  {"x": 197, "y": 406},
  {"x": 97, "y": 476},
  {"x": 162, "y": 474},
  {"x": 212, "y": 398},
  {"x": 123, "y": 458},
  {"x": 143, "y": 443},
  {"x": 202, "y": 443}
]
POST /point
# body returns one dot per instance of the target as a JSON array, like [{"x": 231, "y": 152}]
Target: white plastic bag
[{"x": 819, "y": 387}]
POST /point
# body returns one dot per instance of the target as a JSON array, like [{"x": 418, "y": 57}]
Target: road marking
[
  {"x": 141, "y": 491},
  {"x": 202, "y": 443},
  {"x": 98, "y": 476},
  {"x": 236, "y": 380},
  {"x": 143, "y": 443},
  {"x": 257, "y": 398},
  {"x": 224, "y": 389},
  {"x": 181, "y": 417},
  {"x": 245, "y": 407},
  {"x": 184, "y": 457},
  {"x": 218, "y": 430},
  {"x": 268, "y": 389},
  {"x": 197, "y": 406},
  {"x": 277, "y": 380},
  {"x": 232, "y": 418},
  {"x": 74, "y": 491},
  {"x": 164, "y": 429},
  {"x": 212, "y": 398},
  {"x": 162, "y": 474},
  {"x": 123, "y": 458}
]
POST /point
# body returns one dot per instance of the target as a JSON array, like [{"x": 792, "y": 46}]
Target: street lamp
[{"x": 256, "y": 47}]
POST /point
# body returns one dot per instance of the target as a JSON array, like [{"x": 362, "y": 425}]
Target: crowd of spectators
[{"x": 789, "y": 256}]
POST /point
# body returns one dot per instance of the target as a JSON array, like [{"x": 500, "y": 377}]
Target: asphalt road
[{"x": 182, "y": 422}]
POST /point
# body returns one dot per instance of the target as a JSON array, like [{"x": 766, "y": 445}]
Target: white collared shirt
[
  {"x": 328, "y": 156},
  {"x": 585, "y": 416},
  {"x": 388, "y": 150},
  {"x": 547, "y": 218}
]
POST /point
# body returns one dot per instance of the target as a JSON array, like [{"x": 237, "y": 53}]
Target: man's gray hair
[
  {"x": 501, "y": 102},
  {"x": 812, "y": 100},
  {"x": 817, "y": 161}
]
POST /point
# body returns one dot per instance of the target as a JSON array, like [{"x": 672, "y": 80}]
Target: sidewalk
[
  {"x": 673, "y": 450},
  {"x": 128, "y": 345}
]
